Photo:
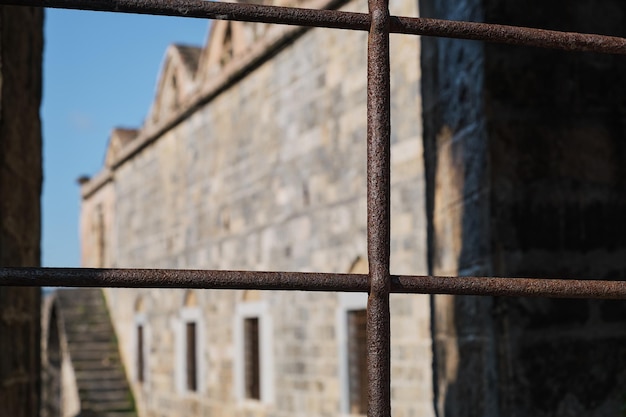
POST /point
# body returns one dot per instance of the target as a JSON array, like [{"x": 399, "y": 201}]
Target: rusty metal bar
[
  {"x": 306, "y": 281},
  {"x": 378, "y": 211},
  {"x": 510, "y": 287},
  {"x": 513, "y": 35},
  {"x": 180, "y": 278},
  {"x": 214, "y": 10}
]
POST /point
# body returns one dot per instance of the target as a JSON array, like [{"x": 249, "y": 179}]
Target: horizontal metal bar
[
  {"x": 514, "y": 35},
  {"x": 307, "y": 281},
  {"x": 214, "y": 10},
  {"x": 180, "y": 278},
  {"x": 510, "y": 287}
]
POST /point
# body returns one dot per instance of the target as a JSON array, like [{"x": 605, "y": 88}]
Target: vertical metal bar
[{"x": 378, "y": 210}]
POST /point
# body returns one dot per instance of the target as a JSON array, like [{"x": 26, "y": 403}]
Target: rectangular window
[
  {"x": 192, "y": 379},
  {"x": 140, "y": 357},
  {"x": 100, "y": 233},
  {"x": 357, "y": 361},
  {"x": 251, "y": 359}
]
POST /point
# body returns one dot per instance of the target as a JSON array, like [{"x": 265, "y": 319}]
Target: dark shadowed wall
[
  {"x": 525, "y": 152},
  {"x": 21, "y": 44}
]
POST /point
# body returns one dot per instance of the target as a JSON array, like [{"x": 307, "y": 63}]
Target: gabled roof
[
  {"x": 186, "y": 69},
  {"x": 190, "y": 56},
  {"x": 120, "y": 137},
  {"x": 176, "y": 82},
  {"x": 227, "y": 40}
]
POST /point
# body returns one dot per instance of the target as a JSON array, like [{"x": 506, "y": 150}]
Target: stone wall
[
  {"x": 270, "y": 175},
  {"x": 21, "y": 44},
  {"x": 558, "y": 174},
  {"x": 525, "y": 176},
  {"x": 458, "y": 200}
]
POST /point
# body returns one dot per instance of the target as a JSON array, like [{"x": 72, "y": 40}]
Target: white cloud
[{"x": 80, "y": 122}]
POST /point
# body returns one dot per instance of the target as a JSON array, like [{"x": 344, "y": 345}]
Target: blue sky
[{"x": 100, "y": 72}]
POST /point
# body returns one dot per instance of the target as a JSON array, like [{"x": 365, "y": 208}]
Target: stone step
[
  {"x": 95, "y": 355},
  {"x": 109, "y": 414},
  {"x": 103, "y": 395},
  {"x": 107, "y": 406},
  {"x": 79, "y": 327},
  {"x": 102, "y": 346},
  {"x": 97, "y": 367},
  {"x": 92, "y": 344},
  {"x": 85, "y": 413},
  {"x": 91, "y": 337},
  {"x": 101, "y": 375},
  {"x": 90, "y": 313},
  {"x": 78, "y": 322},
  {"x": 102, "y": 384},
  {"x": 71, "y": 298},
  {"x": 82, "y": 301},
  {"x": 82, "y": 291}
]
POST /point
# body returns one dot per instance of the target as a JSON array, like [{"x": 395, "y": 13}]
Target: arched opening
[
  {"x": 139, "y": 305},
  {"x": 359, "y": 266},
  {"x": 52, "y": 369},
  {"x": 190, "y": 344},
  {"x": 140, "y": 341},
  {"x": 190, "y": 300}
]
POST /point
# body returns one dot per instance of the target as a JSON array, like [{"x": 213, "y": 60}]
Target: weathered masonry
[
  {"x": 21, "y": 45},
  {"x": 522, "y": 160},
  {"x": 268, "y": 174}
]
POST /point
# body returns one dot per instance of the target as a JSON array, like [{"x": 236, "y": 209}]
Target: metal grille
[{"x": 378, "y": 283}]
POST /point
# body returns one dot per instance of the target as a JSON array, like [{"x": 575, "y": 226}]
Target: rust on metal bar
[
  {"x": 307, "y": 281},
  {"x": 510, "y": 287},
  {"x": 514, "y": 35},
  {"x": 181, "y": 278},
  {"x": 214, "y": 10},
  {"x": 378, "y": 210}
]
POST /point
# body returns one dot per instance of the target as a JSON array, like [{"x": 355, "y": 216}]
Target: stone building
[{"x": 252, "y": 157}]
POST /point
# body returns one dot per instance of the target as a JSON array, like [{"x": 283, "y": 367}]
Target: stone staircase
[{"x": 103, "y": 389}]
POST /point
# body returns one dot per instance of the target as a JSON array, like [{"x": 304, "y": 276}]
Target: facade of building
[
  {"x": 253, "y": 158},
  {"x": 509, "y": 161}
]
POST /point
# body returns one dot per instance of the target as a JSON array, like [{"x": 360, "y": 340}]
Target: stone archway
[{"x": 52, "y": 359}]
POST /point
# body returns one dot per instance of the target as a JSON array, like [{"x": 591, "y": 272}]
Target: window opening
[
  {"x": 191, "y": 355},
  {"x": 140, "y": 357},
  {"x": 141, "y": 342},
  {"x": 357, "y": 361},
  {"x": 190, "y": 363},
  {"x": 251, "y": 358},
  {"x": 351, "y": 341},
  {"x": 51, "y": 393},
  {"x": 254, "y": 350},
  {"x": 100, "y": 236}
]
